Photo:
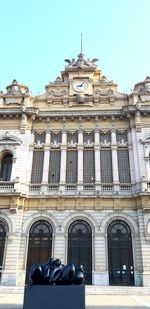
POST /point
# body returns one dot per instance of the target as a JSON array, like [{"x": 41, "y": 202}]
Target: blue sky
[{"x": 37, "y": 35}]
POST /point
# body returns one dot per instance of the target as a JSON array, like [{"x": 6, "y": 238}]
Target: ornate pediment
[
  {"x": 9, "y": 139},
  {"x": 58, "y": 92},
  {"x": 143, "y": 86}
]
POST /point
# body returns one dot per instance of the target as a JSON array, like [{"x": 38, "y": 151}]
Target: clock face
[{"x": 80, "y": 85}]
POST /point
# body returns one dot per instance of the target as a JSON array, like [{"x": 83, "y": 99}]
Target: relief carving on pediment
[
  {"x": 103, "y": 92},
  {"x": 58, "y": 92}
]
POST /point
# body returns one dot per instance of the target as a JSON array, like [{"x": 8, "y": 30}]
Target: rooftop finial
[{"x": 81, "y": 42}]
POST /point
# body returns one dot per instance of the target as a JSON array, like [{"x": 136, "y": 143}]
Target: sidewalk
[{"x": 14, "y": 300}]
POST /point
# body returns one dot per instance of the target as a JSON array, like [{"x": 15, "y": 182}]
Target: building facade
[{"x": 75, "y": 177}]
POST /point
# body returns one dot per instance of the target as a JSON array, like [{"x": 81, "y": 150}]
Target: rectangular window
[
  {"x": 71, "y": 166},
  {"x": 56, "y": 138},
  {"x": 106, "y": 166},
  {"x": 88, "y": 166},
  {"x": 123, "y": 166},
  {"x": 121, "y": 137},
  {"x": 105, "y": 137},
  {"x": 37, "y": 166},
  {"x": 72, "y": 138},
  {"x": 54, "y": 167},
  {"x": 40, "y": 138},
  {"x": 88, "y": 137}
]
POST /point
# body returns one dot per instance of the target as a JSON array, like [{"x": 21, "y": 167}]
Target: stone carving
[
  {"x": 143, "y": 86},
  {"x": 122, "y": 143},
  {"x": 103, "y": 92},
  {"x": 104, "y": 80},
  {"x": 58, "y": 92},
  {"x": 105, "y": 143},
  {"x": 81, "y": 62},
  {"x": 55, "y": 273},
  {"x": 72, "y": 144},
  {"x": 88, "y": 144},
  {"x": 58, "y": 80},
  {"x": 17, "y": 89}
]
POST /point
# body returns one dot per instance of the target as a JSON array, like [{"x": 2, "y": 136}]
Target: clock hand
[{"x": 80, "y": 85}]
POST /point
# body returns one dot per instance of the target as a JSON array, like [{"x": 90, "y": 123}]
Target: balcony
[
  {"x": 9, "y": 186},
  {"x": 85, "y": 189}
]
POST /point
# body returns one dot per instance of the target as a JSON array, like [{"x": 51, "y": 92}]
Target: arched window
[
  {"x": 6, "y": 167},
  {"x": 120, "y": 256},
  {"x": 40, "y": 244},
  {"x": 80, "y": 247},
  {"x": 3, "y": 232}
]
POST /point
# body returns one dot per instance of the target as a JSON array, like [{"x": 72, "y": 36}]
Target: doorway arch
[
  {"x": 3, "y": 233},
  {"x": 120, "y": 254},
  {"x": 80, "y": 247},
  {"x": 40, "y": 244}
]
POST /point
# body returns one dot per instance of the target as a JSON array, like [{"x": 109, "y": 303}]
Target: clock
[{"x": 80, "y": 85}]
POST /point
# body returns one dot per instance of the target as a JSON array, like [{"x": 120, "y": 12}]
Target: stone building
[{"x": 75, "y": 177}]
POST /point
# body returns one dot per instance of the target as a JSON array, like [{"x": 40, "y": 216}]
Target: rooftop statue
[
  {"x": 55, "y": 273},
  {"x": 81, "y": 62}
]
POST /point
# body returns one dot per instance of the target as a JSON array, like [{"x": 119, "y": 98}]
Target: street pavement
[{"x": 14, "y": 300}]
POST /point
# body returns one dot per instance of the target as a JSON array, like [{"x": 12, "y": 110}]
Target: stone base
[{"x": 54, "y": 297}]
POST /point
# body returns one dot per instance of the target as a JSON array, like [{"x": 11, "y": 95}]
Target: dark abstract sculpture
[{"x": 55, "y": 273}]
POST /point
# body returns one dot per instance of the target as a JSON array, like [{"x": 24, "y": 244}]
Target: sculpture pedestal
[{"x": 54, "y": 297}]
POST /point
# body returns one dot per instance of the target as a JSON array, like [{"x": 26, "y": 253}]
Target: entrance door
[
  {"x": 3, "y": 232},
  {"x": 40, "y": 244},
  {"x": 120, "y": 257},
  {"x": 80, "y": 247}
]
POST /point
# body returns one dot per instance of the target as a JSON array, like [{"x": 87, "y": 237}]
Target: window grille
[
  {"x": 54, "y": 167},
  {"x": 40, "y": 244},
  {"x": 88, "y": 137},
  {"x": 56, "y": 138},
  {"x": 88, "y": 166},
  {"x": 106, "y": 166},
  {"x": 40, "y": 137},
  {"x": 121, "y": 136},
  {"x": 71, "y": 166},
  {"x": 37, "y": 166},
  {"x": 72, "y": 137},
  {"x": 123, "y": 166},
  {"x": 105, "y": 137},
  {"x": 6, "y": 167}
]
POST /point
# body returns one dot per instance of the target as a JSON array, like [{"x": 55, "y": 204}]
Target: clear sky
[{"x": 37, "y": 35}]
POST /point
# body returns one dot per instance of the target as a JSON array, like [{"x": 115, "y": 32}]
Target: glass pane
[
  {"x": 6, "y": 167},
  {"x": 123, "y": 166},
  {"x": 88, "y": 166},
  {"x": 88, "y": 137},
  {"x": 72, "y": 138},
  {"x": 37, "y": 166},
  {"x": 54, "y": 167},
  {"x": 121, "y": 137},
  {"x": 106, "y": 166},
  {"x": 40, "y": 138},
  {"x": 56, "y": 138},
  {"x": 80, "y": 247},
  {"x": 40, "y": 244},
  {"x": 71, "y": 168},
  {"x": 105, "y": 137}
]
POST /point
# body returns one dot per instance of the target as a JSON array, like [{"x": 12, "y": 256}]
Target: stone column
[
  {"x": 97, "y": 161},
  {"x": 30, "y": 159},
  {"x": 63, "y": 161},
  {"x": 131, "y": 160},
  {"x": 80, "y": 161},
  {"x": 114, "y": 161},
  {"x": 46, "y": 161}
]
